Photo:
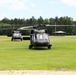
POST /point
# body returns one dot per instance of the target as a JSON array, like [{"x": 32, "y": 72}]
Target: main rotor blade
[
  {"x": 25, "y": 28},
  {"x": 59, "y": 25}
]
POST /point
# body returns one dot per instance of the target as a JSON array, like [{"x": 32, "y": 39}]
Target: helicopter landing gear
[
  {"x": 49, "y": 46},
  {"x": 21, "y": 39},
  {"x": 12, "y": 39},
  {"x": 30, "y": 46},
  {"x": 15, "y": 39}
]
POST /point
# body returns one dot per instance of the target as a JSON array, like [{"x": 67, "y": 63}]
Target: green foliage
[
  {"x": 61, "y": 21},
  {"x": 4, "y": 25},
  {"x": 15, "y": 55},
  {"x": 15, "y": 23}
]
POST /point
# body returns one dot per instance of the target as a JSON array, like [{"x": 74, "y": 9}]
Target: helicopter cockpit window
[
  {"x": 42, "y": 36},
  {"x": 16, "y": 35}
]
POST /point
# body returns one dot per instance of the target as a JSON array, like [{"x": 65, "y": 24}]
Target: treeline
[
  {"x": 32, "y": 21},
  {"x": 7, "y": 25}
]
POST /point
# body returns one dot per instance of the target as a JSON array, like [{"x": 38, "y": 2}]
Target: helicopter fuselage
[
  {"x": 16, "y": 35},
  {"x": 39, "y": 38}
]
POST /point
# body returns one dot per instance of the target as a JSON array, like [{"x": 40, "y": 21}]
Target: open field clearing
[{"x": 15, "y": 55}]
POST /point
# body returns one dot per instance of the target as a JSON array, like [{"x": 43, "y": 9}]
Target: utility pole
[{"x": 55, "y": 28}]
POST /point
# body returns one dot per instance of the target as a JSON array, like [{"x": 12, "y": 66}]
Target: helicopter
[
  {"x": 16, "y": 35},
  {"x": 38, "y": 36}
]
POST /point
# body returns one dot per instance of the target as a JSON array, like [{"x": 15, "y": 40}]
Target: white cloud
[
  {"x": 13, "y": 4},
  {"x": 71, "y": 3},
  {"x": 17, "y": 5},
  {"x": 3, "y": 2}
]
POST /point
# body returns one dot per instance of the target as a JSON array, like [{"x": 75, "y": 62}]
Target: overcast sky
[{"x": 45, "y": 8}]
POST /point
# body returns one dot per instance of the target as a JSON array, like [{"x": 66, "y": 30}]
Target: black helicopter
[
  {"x": 16, "y": 35},
  {"x": 39, "y": 37}
]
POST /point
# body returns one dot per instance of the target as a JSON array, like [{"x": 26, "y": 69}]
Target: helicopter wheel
[
  {"x": 21, "y": 39},
  {"x": 12, "y": 39},
  {"x": 49, "y": 47},
  {"x": 30, "y": 46}
]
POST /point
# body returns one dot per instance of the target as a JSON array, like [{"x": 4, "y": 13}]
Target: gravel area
[{"x": 36, "y": 72}]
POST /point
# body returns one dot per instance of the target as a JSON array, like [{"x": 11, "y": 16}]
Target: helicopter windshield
[
  {"x": 42, "y": 36},
  {"x": 17, "y": 35}
]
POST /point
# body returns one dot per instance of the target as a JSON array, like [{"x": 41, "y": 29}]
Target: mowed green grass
[{"x": 15, "y": 55}]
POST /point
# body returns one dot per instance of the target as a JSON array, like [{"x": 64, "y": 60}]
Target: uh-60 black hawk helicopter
[
  {"x": 38, "y": 37},
  {"x": 16, "y": 35}
]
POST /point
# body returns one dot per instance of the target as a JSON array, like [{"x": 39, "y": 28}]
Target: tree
[
  {"x": 40, "y": 20},
  {"x": 51, "y": 21},
  {"x": 65, "y": 20},
  {"x": 46, "y": 21},
  {"x": 56, "y": 20},
  {"x": 5, "y": 20},
  {"x": 34, "y": 20},
  {"x": 15, "y": 21}
]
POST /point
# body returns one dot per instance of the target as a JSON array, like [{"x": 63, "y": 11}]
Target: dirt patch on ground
[{"x": 36, "y": 72}]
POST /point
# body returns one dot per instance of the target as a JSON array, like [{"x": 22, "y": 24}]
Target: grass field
[{"x": 15, "y": 55}]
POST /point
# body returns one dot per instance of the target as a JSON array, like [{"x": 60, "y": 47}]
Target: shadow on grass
[
  {"x": 39, "y": 48},
  {"x": 16, "y": 40}
]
